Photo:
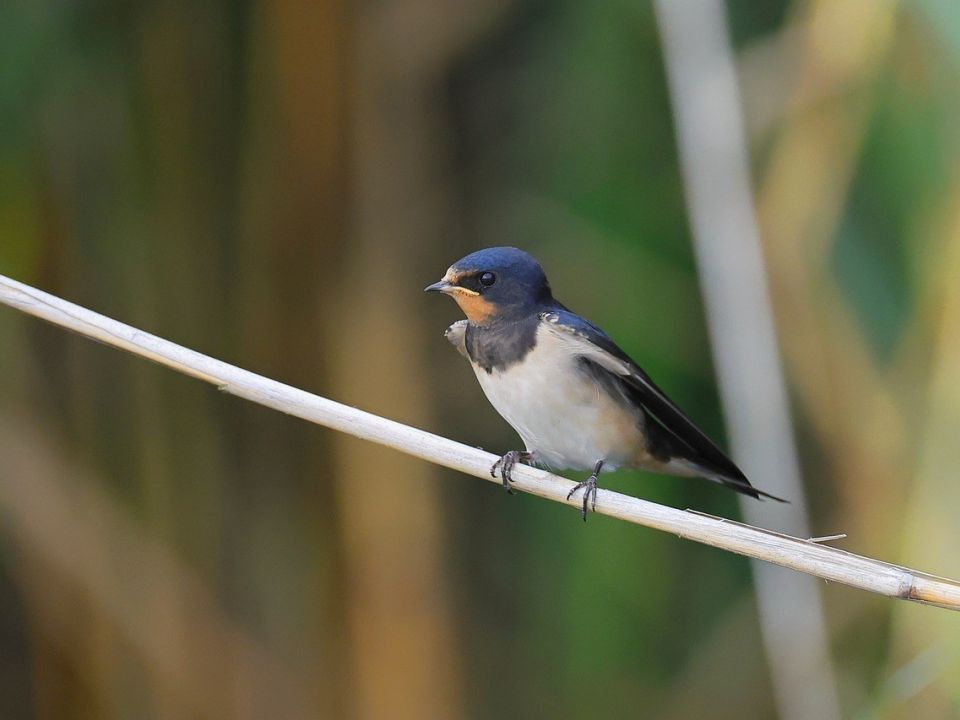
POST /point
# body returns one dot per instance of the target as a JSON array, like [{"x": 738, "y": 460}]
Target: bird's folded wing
[{"x": 591, "y": 343}]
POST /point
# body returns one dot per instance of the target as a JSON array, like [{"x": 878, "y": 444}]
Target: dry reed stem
[{"x": 795, "y": 553}]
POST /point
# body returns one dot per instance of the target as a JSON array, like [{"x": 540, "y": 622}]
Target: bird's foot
[
  {"x": 589, "y": 487},
  {"x": 505, "y": 466}
]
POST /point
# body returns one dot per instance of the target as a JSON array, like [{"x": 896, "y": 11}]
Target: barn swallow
[{"x": 575, "y": 398}]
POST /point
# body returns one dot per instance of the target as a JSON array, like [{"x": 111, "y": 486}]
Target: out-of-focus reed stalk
[
  {"x": 795, "y": 553},
  {"x": 714, "y": 160}
]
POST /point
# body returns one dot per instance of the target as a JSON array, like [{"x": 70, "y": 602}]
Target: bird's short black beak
[{"x": 439, "y": 286}]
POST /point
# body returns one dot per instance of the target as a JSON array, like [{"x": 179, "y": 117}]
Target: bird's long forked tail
[
  {"x": 701, "y": 458},
  {"x": 741, "y": 485}
]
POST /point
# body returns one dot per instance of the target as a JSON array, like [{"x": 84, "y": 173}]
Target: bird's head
[{"x": 495, "y": 285}]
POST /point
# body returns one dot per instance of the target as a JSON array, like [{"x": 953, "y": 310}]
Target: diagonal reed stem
[{"x": 795, "y": 553}]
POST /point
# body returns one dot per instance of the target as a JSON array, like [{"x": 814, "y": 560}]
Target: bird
[{"x": 577, "y": 401}]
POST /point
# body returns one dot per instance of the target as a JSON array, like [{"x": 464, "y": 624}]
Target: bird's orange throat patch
[{"x": 477, "y": 309}]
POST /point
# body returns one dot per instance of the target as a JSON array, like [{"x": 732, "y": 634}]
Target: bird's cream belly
[{"x": 561, "y": 414}]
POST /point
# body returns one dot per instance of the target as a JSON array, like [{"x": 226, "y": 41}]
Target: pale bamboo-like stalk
[
  {"x": 795, "y": 553},
  {"x": 711, "y": 138}
]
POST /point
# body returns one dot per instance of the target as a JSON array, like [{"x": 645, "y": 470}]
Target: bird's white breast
[{"x": 562, "y": 414}]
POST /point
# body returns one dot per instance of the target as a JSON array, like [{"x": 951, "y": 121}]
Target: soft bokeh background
[{"x": 273, "y": 182}]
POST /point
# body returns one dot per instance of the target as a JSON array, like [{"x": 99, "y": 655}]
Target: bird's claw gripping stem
[
  {"x": 589, "y": 487},
  {"x": 505, "y": 466}
]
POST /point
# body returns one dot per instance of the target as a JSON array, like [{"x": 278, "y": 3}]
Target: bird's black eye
[{"x": 487, "y": 279}]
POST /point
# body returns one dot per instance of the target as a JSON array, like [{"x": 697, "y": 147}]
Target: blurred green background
[{"x": 273, "y": 183}]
